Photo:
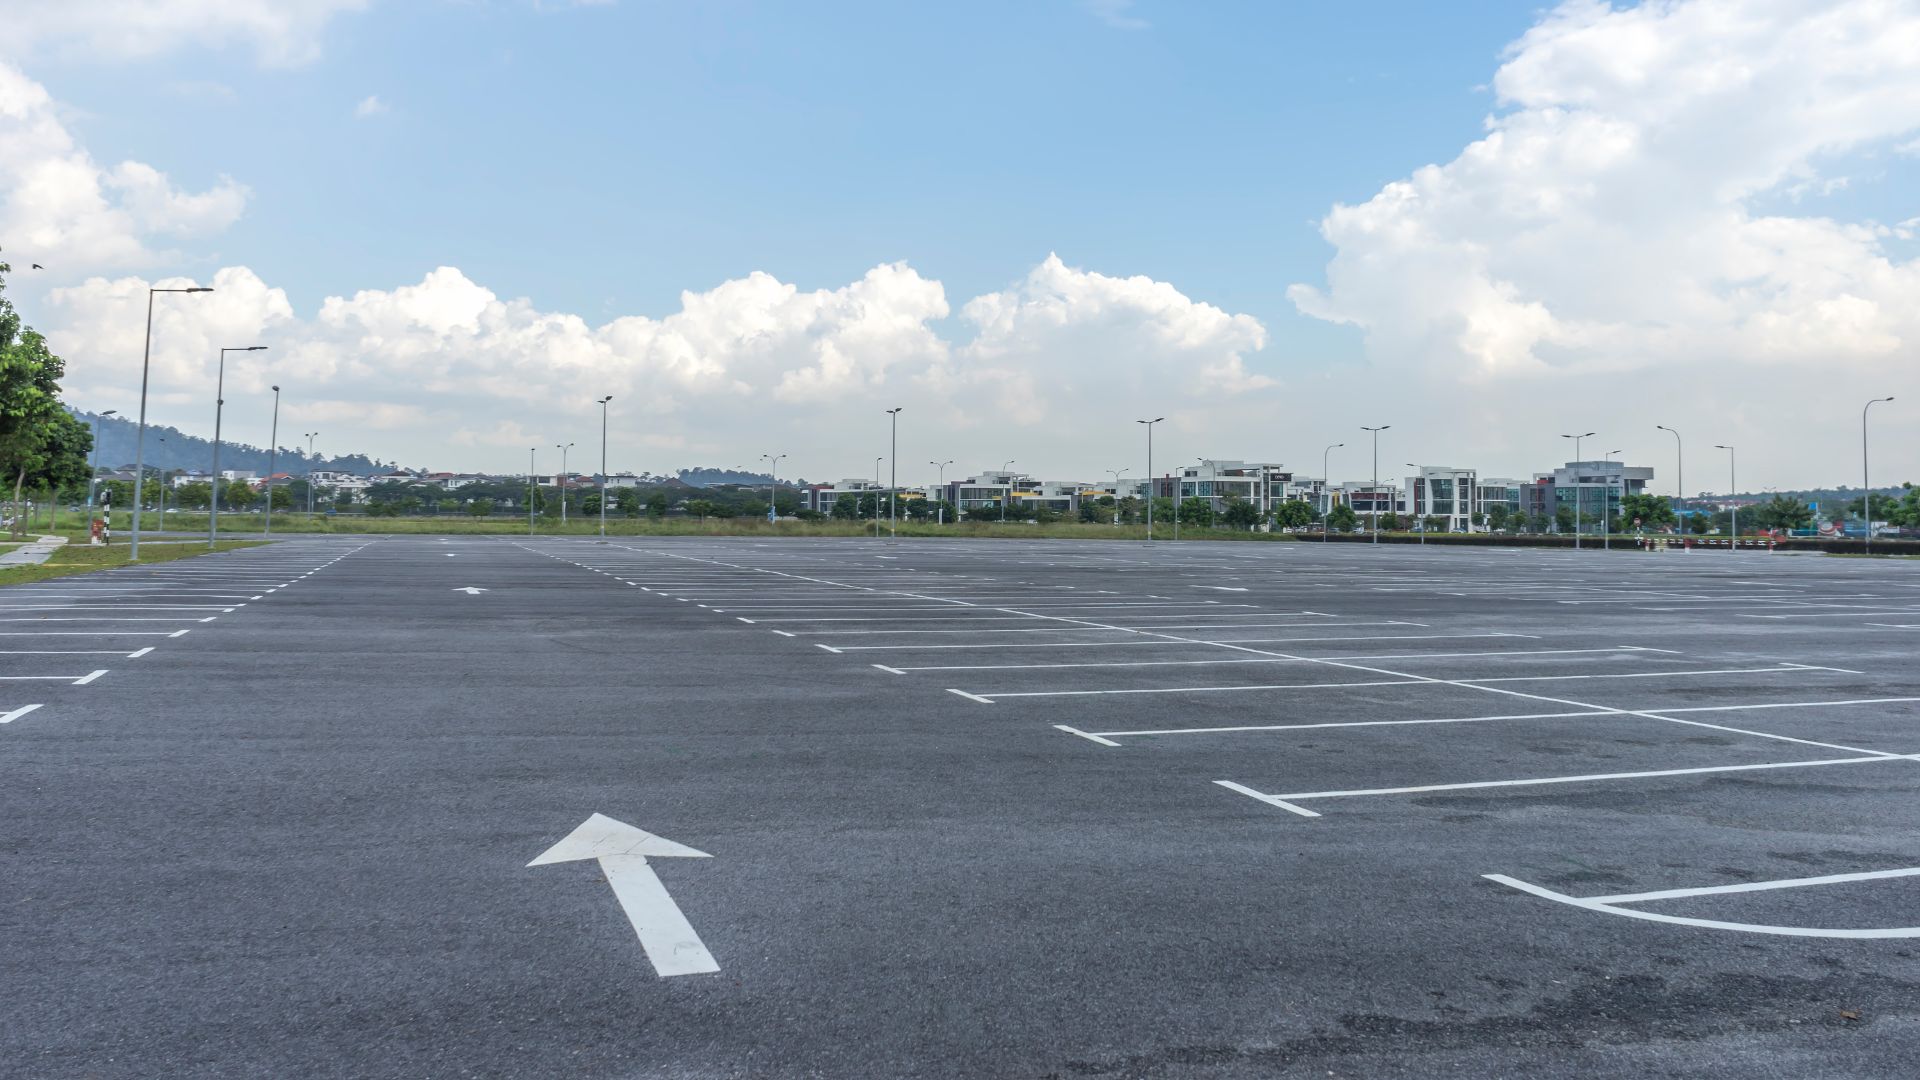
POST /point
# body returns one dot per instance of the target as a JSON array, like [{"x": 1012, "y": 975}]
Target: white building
[{"x": 1447, "y": 494}]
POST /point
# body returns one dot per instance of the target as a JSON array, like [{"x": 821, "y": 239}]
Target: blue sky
[
  {"x": 1547, "y": 206},
  {"x": 602, "y": 158}
]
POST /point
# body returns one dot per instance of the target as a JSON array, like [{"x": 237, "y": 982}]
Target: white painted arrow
[
  {"x": 470, "y": 590},
  {"x": 665, "y": 934},
  {"x": 1222, "y": 588}
]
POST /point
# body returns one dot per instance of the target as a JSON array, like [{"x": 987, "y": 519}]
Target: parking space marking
[
  {"x": 1615, "y": 650},
  {"x": 1613, "y": 907},
  {"x": 10, "y": 717},
  {"x": 1534, "y": 781}
]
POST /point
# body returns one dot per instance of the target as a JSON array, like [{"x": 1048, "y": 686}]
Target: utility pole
[
  {"x": 1576, "y": 485},
  {"x": 942, "y": 466},
  {"x": 1149, "y": 424},
  {"x": 1326, "y": 490},
  {"x": 603, "y": 463},
  {"x": 1733, "y": 508},
  {"x": 1866, "y": 486},
  {"x": 94, "y": 476},
  {"x": 1374, "y": 500},
  {"x": 563, "y": 483},
  {"x": 273, "y": 450},
  {"x": 1679, "y": 479},
  {"x": 140, "y": 440},
  {"x": 893, "y": 475}
]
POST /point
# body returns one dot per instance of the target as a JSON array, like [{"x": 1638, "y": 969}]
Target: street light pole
[
  {"x": 1326, "y": 490},
  {"x": 1866, "y": 487},
  {"x": 1576, "y": 485},
  {"x": 1374, "y": 500},
  {"x": 1426, "y": 499},
  {"x": 876, "y": 496},
  {"x": 1606, "y": 506},
  {"x": 1008, "y": 497},
  {"x": 893, "y": 475},
  {"x": 603, "y": 463},
  {"x": 310, "y": 436},
  {"x": 94, "y": 476},
  {"x": 773, "y": 482},
  {"x": 1733, "y": 487},
  {"x": 1116, "y": 494},
  {"x": 942, "y": 466},
  {"x": 533, "y": 490},
  {"x": 563, "y": 483},
  {"x": 1150, "y": 424},
  {"x": 273, "y": 451},
  {"x": 219, "y": 406},
  {"x": 1679, "y": 478},
  {"x": 140, "y": 440}
]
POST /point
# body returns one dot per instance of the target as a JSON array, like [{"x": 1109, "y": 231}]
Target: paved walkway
[{"x": 35, "y": 551}]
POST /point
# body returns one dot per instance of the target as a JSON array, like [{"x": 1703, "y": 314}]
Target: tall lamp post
[
  {"x": 1733, "y": 487},
  {"x": 1006, "y": 465},
  {"x": 942, "y": 466},
  {"x": 876, "y": 496},
  {"x": 602, "y": 402},
  {"x": 1420, "y": 520},
  {"x": 310, "y": 436},
  {"x": 219, "y": 406},
  {"x": 273, "y": 451},
  {"x": 1116, "y": 494},
  {"x": 1375, "y": 494},
  {"x": 1606, "y": 505},
  {"x": 1149, "y": 424},
  {"x": 893, "y": 474},
  {"x": 563, "y": 482},
  {"x": 533, "y": 490},
  {"x": 1326, "y": 490},
  {"x": 163, "y": 486},
  {"x": 140, "y": 440},
  {"x": 1866, "y": 489},
  {"x": 1576, "y": 484},
  {"x": 773, "y": 482},
  {"x": 1679, "y": 477},
  {"x": 94, "y": 476}
]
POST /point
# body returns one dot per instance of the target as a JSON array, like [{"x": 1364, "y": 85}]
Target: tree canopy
[{"x": 40, "y": 442}]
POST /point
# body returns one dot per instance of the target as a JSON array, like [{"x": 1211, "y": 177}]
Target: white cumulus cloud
[
  {"x": 1612, "y": 215},
  {"x": 61, "y": 207}
]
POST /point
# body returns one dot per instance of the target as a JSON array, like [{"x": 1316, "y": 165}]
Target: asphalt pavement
[{"x": 958, "y": 808}]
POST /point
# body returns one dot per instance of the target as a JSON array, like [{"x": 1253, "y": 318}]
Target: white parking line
[
  {"x": 1613, "y": 650},
  {"x": 8, "y": 718},
  {"x": 1580, "y": 779}
]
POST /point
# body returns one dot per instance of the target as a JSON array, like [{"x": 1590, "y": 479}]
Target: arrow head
[{"x": 600, "y": 835}]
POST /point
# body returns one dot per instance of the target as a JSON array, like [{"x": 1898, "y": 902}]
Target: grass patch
[{"x": 82, "y": 559}]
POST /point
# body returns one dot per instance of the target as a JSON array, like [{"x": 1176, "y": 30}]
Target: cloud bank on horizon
[{"x": 1632, "y": 211}]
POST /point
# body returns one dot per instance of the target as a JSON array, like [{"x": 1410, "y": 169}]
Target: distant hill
[{"x": 171, "y": 448}]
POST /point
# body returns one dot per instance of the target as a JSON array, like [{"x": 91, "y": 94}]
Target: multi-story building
[
  {"x": 1590, "y": 491},
  {"x": 1446, "y": 493}
]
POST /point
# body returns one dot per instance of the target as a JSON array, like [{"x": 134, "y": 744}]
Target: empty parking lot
[{"x": 962, "y": 808}]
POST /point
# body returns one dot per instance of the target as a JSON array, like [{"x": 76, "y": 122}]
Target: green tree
[
  {"x": 1130, "y": 510},
  {"x": 1342, "y": 519},
  {"x": 1162, "y": 509},
  {"x": 590, "y": 505},
  {"x": 1563, "y": 518},
  {"x": 193, "y": 496},
  {"x": 700, "y": 508},
  {"x": 239, "y": 494},
  {"x": 1496, "y": 517},
  {"x": 1293, "y": 514},
  {"x": 1652, "y": 511},
  {"x": 281, "y": 498},
  {"x": 1783, "y": 512},
  {"x": 657, "y": 504},
  {"x": 480, "y": 507},
  {"x": 1390, "y": 521},
  {"x": 33, "y": 439},
  {"x": 626, "y": 502},
  {"x": 1196, "y": 511},
  {"x": 1240, "y": 514},
  {"x": 1434, "y": 523}
]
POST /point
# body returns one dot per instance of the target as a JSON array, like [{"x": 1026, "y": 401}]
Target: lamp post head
[
  {"x": 1155, "y": 420},
  {"x": 198, "y": 288},
  {"x": 110, "y": 412},
  {"x": 276, "y": 389}
]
